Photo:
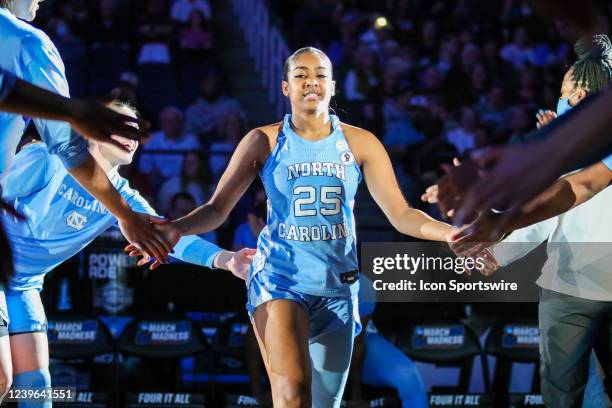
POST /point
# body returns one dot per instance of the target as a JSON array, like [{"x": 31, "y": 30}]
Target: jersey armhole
[{"x": 273, "y": 138}]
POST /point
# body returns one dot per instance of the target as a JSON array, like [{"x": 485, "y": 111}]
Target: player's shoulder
[
  {"x": 359, "y": 140},
  {"x": 38, "y": 155},
  {"x": 12, "y": 26},
  {"x": 356, "y": 133},
  {"x": 264, "y": 135},
  {"x": 35, "y": 149},
  {"x": 26, "y": 33}
]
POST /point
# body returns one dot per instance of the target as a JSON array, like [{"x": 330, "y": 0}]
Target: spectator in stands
[
  {"x": 377, "y": 35},
  {"x": 520, "y": 122},
  {"x": 519, "y": 52},
  {"x": 78, "y": 14},
  {"x": 231, "y": 129},
  {"x": 400, "y": 133},
  {"x": 182, "y": 204},
  {"x": 429, "y": 45},
  {"x": 209, "y": 109},
  {"x": 195, "y": 179},
  {"x": 182, "y": 10},
  {"x": 362, "y": 81},
  {"x": 467, "y": 135},
  {"x": 447, "y": 55},
  {"x": 341, "y": 49},
  {"x": 158, "y": 159},
  {"x": 492, "y": 108},
  {"x": 195, "y": 38},
  {"x": 155, "y": 34},
  {"x": 530, "y": 91},
  {"x": 247, "y": 232},
  {"x": 108, "y": 25}
]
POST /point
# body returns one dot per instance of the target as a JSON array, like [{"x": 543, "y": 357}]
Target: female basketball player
[
  {"x": 63, "y": 218},
  {"x": 28, "y": 54},
  {"x": 302, "y": 284}
]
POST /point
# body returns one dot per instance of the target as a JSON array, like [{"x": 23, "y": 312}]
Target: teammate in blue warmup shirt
[
  {"x": 63, "y": 218},
  {"x": 302, "y": 285},
  {"x": 27, "y": 53}
]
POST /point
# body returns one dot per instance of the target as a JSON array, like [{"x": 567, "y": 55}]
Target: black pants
[{"x": 570, "y": 329}]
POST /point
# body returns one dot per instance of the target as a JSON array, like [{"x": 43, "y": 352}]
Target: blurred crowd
[
  {"x": 436, "y": 79},
  {"x": 433, "y": 79},
  {"x": 162, "y": 58}
]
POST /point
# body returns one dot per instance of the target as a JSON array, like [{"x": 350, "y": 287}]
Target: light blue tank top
[{"x": 309, "y": 239}]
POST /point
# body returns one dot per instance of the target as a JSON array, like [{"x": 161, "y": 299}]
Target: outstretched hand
[
  {"x": 544, "y": 117},
  {"x": 240, "y": 262},
  {"x": 141, "y": 235},
  {"x": 510, "y": 177},
  {"x": 456, "y": 182},
  {"x": 93, "y": 120},
  {"x": 163, "y": 231},
  {"x": 473, "y": 238},
  {"x": 431, "y": 193},
  {"x": 488, "y": 262}
]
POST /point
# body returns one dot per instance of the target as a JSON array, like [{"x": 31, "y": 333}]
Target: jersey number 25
[{"x": 329, "y": 197}]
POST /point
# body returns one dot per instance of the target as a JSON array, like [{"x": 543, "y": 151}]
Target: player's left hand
[
  {"x": 240, "y": 262},
  {"x": 501, "y": 169},
  {"x": 490, "y": 265},
  {"x": 171, "y": 235},
  {"x": 93, "y": 120},
  {"x": 453, "y": 186},
  {"x": 473, "y": 238},
  {"x": 168, "y": 229}
]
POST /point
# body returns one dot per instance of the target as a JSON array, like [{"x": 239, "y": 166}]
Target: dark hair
[
  {"x": 204, "y": 176},
  {"x": 593, "y": 66},
  {"x": 181, "y": 195},
  {"x": 304, "y": 50}
]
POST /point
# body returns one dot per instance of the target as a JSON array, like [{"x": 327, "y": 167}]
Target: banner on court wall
[
  {"x": 107, "y": 269},
  {"x": 509, "y": 272}
]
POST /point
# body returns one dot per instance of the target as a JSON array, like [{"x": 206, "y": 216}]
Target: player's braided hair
[
  {"x": 299, "y": 52},
  {"x": 593, "y": 66}
]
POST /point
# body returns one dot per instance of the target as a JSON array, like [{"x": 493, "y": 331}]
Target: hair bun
[{"x": 593, "y": 48}]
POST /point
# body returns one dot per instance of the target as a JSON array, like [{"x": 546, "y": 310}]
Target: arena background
[{"x": 432, "y": 79}]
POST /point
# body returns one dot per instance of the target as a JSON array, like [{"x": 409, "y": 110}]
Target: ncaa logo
[
  {"x": 76, "y": 220},
  {"x": 346, "y": 157}
]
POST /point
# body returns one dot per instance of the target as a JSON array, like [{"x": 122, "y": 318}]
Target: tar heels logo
[
  {"x": 76, "y": 220},
  {"x": 346, "y": 157}
]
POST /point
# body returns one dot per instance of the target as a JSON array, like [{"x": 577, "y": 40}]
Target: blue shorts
[
  {"x": 26, "y": 312},
  {"x": 327, "y": 314}
]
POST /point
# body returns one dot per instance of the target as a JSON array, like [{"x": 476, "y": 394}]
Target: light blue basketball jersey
[
  {"x": 63, "y": 218},
  {"x": 310, "y": 236},
  {"x": 7, "y": 81},
  {"x": 28, "y": 53}
]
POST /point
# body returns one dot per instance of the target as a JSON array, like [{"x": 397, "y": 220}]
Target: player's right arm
[
  {"x": 43, "y": 67},
  {"x": 521, "y": 242},
  {"x": 247, "y": 160},
  {"x": 564, "y": 194}
]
